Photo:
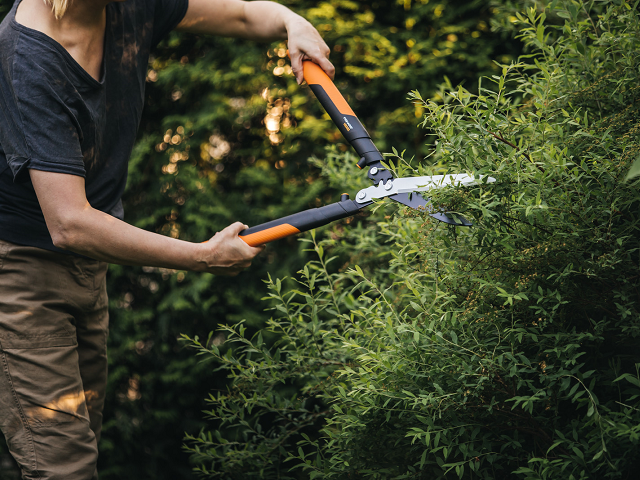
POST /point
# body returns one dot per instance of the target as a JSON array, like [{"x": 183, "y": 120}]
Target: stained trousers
[{"x": 53, "y": 360}]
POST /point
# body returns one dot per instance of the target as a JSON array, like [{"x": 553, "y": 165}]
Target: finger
[
  {"x": 240, "y": 264},
  {"x": 296, "y": 65},
  {"x": 235, "y": 228},
  {"x": 321, "y": 58},
  {"x": 247, "y": 251},
  {"x": 327, "y": 66},
  {"x": 226, "y": 272},
  {"x": 255, "y": 251},
  {"x": 233, "y": 231}
]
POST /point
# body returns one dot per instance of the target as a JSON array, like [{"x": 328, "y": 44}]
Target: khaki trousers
[{"x": 53, "y": 360}]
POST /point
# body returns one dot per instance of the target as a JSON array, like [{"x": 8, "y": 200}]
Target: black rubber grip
[{"x": 350, "y": 127}]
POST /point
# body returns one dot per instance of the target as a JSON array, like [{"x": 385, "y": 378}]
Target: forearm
[
  {"x": 98, "y": 235},
  {"x": 255, "y": 20},
  {"x": 268, "y": 21},
  {"x": 263, "y": 21}
]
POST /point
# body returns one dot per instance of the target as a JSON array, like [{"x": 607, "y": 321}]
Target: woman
[{"x": 72, "y": 83}]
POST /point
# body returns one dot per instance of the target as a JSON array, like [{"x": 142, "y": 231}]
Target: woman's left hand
[{"x": 305, "y": 43}]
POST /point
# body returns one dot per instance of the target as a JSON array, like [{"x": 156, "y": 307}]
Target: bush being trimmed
[{"x": 505, "y": 350}]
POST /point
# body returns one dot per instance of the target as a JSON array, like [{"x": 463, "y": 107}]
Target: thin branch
[{"x": 504, "y": 140}]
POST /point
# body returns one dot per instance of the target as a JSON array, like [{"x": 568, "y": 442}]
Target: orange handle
[
  {"x": 269, "y": 235},
  {"x": 300, "y": 222},
  {"x": 343, "y": 116},
  {"x": 314, "y": 75}
]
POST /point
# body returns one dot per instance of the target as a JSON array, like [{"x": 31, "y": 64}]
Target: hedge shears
[{"x": 385, "y": 185}]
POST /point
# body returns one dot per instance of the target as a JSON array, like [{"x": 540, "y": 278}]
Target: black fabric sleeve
[
  {"x": 52, "y": 134},
  {"x": 168, "y": 14}
]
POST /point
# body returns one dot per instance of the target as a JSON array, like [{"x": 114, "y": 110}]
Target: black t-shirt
[{"x": 55, "y": 117}]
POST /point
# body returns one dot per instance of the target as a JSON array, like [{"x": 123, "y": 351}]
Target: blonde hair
[{"x": 59, "y": 7}]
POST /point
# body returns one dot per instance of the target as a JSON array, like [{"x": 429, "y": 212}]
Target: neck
[
  {"x": 83, "y": 14},
  {"x": 84, "y": 17},
  {"x": 80, "y": 30}
]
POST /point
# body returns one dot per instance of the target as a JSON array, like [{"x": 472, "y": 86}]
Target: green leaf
[
  {"x": 634, "y": 171},
  {"x": 590, "y": 410},
  {"x": 540, "y": 33}
]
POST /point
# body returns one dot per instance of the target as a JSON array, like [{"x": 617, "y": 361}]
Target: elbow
[
  {"x": 65, "y": 234},
  {"x": 61, "y": 240}
]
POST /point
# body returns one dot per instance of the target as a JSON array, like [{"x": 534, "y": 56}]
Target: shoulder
[
  {"x": 38, "y": 68},
  {"x": 21, "y": 45}
]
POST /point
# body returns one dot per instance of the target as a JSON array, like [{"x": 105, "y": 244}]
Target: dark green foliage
[{"x": 410, "y": 349}]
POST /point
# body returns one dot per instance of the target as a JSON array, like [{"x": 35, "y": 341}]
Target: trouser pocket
[{"x": 43, "y": 411}]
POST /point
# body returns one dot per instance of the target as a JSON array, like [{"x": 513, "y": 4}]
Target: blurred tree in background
[{"x": 226, "y": 135}]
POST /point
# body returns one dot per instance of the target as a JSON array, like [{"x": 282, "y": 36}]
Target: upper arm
[
  {"x": 62, "y": 199},
  {"x": 40, "y": 129},
  {"x": 217, "y": 17}
]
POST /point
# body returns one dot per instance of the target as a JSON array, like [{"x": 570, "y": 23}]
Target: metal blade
[
  {"x": 452, "y": 219},
  {"x": 415, "y": 200},
  {"x": 415, "y": 184}
]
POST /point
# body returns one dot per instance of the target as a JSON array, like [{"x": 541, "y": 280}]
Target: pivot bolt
[
  {"x": 373, "y": 170},
  {"x": 362, "y": 195},
  {"x": 388, "y": 185}
]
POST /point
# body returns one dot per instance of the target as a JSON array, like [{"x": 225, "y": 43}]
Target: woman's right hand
[{"x": 226, "y": 253}]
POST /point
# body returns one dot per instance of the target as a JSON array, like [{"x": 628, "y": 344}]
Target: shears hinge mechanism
[{"x": 376, "y": 172}]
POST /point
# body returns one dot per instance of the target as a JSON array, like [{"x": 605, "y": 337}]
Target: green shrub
[{"x": 505, "y": 350}]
